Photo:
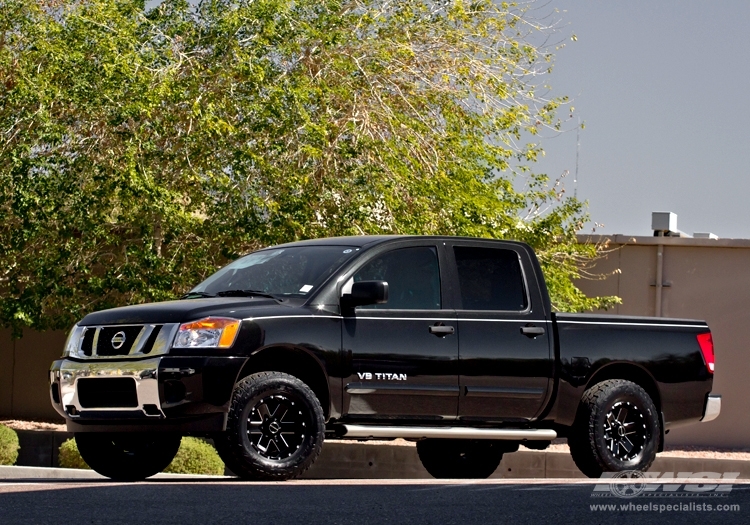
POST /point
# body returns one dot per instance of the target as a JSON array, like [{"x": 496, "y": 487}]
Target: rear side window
[
  {"x": 413, "y": 278},
  {"x": 490, "y": 279}
]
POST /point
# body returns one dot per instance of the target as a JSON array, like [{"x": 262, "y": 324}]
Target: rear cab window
[{"x": 490, "y": 279}]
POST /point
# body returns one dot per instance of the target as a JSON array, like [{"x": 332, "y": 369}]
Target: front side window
[
  {"x": 490, "y": 279},
  {"x": 297, "y": 271},
  {"x": 413, "y": 277}
]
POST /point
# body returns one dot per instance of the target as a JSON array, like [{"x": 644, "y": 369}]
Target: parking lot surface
[{"x": 360, "y": 502}]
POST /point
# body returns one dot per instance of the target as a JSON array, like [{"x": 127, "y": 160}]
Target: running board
[{"x": 512, "y": 434}]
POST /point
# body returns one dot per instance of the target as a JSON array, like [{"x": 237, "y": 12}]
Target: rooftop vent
[
  {"x": 705, "y": 235},
  {"x": 664, "y": 224}
]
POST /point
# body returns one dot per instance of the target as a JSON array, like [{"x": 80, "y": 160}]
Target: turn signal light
[{"x": 211, "y": 332}]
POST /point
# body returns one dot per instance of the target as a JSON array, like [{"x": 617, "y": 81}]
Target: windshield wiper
[
  {"x": 246, "y": 293},
  {"x": 193, "y": 295}
]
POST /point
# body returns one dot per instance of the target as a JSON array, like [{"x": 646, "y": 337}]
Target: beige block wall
[
  {"x": 24, "y": 390},
  {"x": 6, "y": 373},
  {"x": 709, "y": 280}
]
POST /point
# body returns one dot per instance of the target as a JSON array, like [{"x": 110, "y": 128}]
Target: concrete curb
[
  {"x": 362, "y": 460},
  {"x": 367, "y": 461},
  {"x": 34, "y": 473}
]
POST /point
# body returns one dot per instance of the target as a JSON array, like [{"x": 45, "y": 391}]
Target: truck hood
[{"x": 185, "y": 310}]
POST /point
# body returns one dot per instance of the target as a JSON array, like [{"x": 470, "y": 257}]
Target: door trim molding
[
  {"x": 492, "y": 391},
  {"x": 396, "y": 389}
]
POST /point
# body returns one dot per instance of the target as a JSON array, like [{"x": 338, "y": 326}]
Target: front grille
[
  {"x": 151, "y": 339},
  {"x": 119, "y": 341},
  {"x": 105, "y": 345},
  {"x": 88, "y": 341},
  {"x": 110, "y": 392}
]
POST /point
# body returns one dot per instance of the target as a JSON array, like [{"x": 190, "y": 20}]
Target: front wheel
[
  {"x": 617, "y": 429},
  {"x": 275, "y": 428},
  {"x": 460, "y": 458},
  {"x": 127, "y": 456}
]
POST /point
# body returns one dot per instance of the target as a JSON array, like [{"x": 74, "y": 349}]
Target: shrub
[
  {"x": 8, "y": 445},
  {"x": 196, "y": 457},
  {"x": 69, "y": 457}
]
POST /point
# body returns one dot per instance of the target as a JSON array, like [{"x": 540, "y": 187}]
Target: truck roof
[{"x": 368, "y": 240}]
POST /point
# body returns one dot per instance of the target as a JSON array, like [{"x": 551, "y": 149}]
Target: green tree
[{"x": 141, "y": 149}]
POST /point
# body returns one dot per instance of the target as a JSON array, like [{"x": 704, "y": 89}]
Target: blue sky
[{"x": 663, "y": 89}]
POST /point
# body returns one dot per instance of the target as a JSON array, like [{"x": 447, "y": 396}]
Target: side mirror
[{"x": 364, "y": 293}]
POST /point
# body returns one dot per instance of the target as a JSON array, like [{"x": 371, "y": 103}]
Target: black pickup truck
[{"x": 447, "y": 341}]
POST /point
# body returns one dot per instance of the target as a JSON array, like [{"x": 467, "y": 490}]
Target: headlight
[
  {"x": 211, "y": 332},
  {"x": 73, "y": 342}
]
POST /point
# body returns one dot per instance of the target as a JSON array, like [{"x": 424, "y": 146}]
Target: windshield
[{"x": 290, "y": 272}]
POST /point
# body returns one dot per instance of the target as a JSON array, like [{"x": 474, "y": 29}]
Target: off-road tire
[
  {"x": 460, "y": 458},
  {"x": 617, "y": 428},
  {"x": 128, "y": 456},
  {"x": 275, "y": 428}
]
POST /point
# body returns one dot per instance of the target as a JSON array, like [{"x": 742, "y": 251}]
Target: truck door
[
  {"x": 505, "y": 356},
  {"x": 402, "y": 356}
]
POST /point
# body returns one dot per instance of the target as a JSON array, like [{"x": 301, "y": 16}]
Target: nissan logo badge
[{"x": 118, "y": 340}]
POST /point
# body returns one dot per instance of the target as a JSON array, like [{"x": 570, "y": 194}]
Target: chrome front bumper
[
  {"x": 144, "y": 373},
  {"x": 713, "y": 408}
]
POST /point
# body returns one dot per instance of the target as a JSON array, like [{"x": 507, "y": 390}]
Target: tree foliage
[{"x": 140, "y": 148}]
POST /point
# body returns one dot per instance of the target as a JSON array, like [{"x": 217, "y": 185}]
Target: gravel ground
[
  {"x": 18, "y": 424},
  {"x": 559, "y": 445}
]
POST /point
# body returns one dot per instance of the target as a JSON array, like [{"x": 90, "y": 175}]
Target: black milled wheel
[
  {"x": 460, "y": 458},
  {"x": 617, "y": 429},
  {"x": 127, "y": 456},
  {"x": 275, "y": 428}
]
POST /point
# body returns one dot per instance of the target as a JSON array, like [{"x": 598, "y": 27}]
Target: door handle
[
  {"x": 441, "y": 331},
  {"x": 532, "y": 331}
]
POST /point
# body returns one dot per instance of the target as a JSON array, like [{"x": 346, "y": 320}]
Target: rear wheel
[
  {"x": 460, "y": 458},
  {"x": 275, "y": 428},
  {"x": 127, "y": 456},
  {"x": 617, "y": 429}
]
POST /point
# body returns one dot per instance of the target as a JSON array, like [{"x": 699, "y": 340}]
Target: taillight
[{"x": 706, "y": 343}]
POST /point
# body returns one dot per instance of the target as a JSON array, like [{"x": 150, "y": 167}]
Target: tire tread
[
  {"x": 229, "y": 443},
  {"x": 582, "y": 440}
]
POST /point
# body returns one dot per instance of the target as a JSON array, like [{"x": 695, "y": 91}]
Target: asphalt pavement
[{"x": 360, "y": 502}]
